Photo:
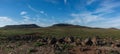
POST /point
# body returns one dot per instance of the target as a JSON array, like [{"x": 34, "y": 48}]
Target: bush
[
  {"x": 37, "y": 44},
  {"x": 114, "y": 52},
  {"x": 31, "y": 50},
  {"x": 66, "y": 46}
]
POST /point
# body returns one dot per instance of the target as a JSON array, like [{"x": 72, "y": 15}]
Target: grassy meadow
[{"x": 63, "y": 31}]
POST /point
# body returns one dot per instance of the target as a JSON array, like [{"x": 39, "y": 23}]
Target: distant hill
[
  {"x": 59, "y": 25},
  {"x": 22, "y": 26},
  {"x": 60, "y": 30},
  {"x": 113, "y": 28},
  {"x": 68, "y": 25}
]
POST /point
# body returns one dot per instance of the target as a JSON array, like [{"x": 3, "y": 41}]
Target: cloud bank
[
  {"x": 6, "y": 21},
  {"x": 99, "y": 17}
]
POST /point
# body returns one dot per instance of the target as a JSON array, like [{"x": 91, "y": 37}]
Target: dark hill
[
  {"x": 68, "y": 25},
  {"x": 22, "y": 26}
]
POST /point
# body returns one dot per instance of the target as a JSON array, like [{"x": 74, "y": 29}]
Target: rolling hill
[
  {"x": 60, "y": 30},
  {"x": 21, "y": 26},
  {"x": 28, "y": 39}
]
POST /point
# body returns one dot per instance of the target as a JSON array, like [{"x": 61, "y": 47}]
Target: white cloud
[
  {"x": 104, "y": 9},
  {"x": 65, "y": 1},
  {"x": 23, "y": 13},
  {"x": 42, "y": 12},
  {"x": 52, "y": 1},
  {"x": 112, "y": 22},
  {"x": 36, "y": 20},
  {"x": 98, "y": 20},
  {"x": 84, "y": 18},
  {"x": 90, "y": 2},
  {"x": 33, "y": 9},
  {"x": 26, "y": 18},
  {"x": 37, "y": 11},
  {"x": 88, "y": 19},
  {"x": 5, "y": 19},
  {"x": 107, "y": 23},
  {"x": 107, "y": 7},
  {"x": 74, "y": 21}
]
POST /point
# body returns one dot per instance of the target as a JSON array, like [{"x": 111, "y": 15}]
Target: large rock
[{"x": 88, "y": 41}]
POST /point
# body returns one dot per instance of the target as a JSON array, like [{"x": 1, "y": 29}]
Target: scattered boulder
[
  {"x": 95, "y": 40},
  {"x": 88, "y": 41},
  {"x": 78, "y": 41},
  {"x": 61, "y": 40},
  {"x": 53, "y": 41},
  {"x": 67, "y": 40},
  {"x": 72, "y": 39},
  {"x": 115, "y": 45}
]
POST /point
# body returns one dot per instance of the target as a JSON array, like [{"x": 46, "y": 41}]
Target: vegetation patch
[{"x": 37, "y": 44}]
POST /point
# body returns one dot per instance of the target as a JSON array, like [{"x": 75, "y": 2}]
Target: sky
[{"x": 92, "y": 13}]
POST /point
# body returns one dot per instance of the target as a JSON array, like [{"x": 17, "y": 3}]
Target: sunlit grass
[{"x": 61, "y": 32}]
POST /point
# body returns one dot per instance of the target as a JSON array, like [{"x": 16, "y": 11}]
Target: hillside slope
[
  {"x": 21, "y": 26},
  {"x": 61, "y": 31}
]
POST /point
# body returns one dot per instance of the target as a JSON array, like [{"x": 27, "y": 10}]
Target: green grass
[
  {"x": 62, "y": 31},
  {"x": 37, "y": 44}
]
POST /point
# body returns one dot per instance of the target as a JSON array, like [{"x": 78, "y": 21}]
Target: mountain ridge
[
  {"x": 54, "y": 25},
  {"x": 22, "y": 26}
]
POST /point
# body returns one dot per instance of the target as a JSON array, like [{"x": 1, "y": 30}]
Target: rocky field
[
  {"x": 59, "y": 39},
  {"x": 32, "y": 44}
]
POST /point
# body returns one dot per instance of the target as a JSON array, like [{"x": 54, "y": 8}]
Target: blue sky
[{"x": 93, "y": 13}]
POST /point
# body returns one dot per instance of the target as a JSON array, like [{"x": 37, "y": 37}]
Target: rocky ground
[{"x": 31, "y": 44}]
